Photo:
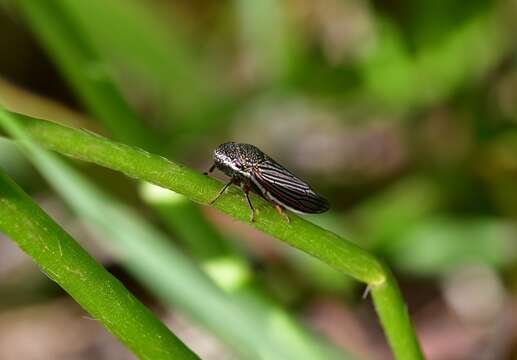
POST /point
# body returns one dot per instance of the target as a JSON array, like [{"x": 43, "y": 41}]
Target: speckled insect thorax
[{"x": 237, "y": 159}]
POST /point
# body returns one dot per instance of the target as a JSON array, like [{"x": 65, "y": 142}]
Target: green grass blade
[
  {"x": 323, "y": 244},
  {"x": 132, "y": 34},
  {"x": 94, "y": 288}
]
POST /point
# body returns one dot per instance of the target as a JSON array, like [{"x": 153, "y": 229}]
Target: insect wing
[{"x": 287, "y": 189}]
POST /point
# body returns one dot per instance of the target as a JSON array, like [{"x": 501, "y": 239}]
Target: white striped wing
[{"x": 287, "y": 189}]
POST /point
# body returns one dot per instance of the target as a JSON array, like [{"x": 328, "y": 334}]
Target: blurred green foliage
[{"x": 402, "y": 113}]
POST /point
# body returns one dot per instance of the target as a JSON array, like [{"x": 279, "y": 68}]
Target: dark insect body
[{"x": 252, "y": 170}]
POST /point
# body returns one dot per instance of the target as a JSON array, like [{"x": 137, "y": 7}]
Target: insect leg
[
  {"x": 209, "y": 170},
  {"x": 221, "y": 192},
  {"x": 281, "y": 211},
  {"x": 246, "y": 190}
]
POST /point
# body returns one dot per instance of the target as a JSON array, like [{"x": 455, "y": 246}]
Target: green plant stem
[
  {"x": 94, "y": 288},
  {"x": 325, "y": 245},
  {"x": 394, "y": 318}
]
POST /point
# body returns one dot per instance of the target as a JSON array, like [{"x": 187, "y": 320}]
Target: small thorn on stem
[{"x": 366, "y": 292}]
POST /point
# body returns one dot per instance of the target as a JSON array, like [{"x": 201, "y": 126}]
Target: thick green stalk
[
  {"x": 395, "y": 319},
  {"x": 94, "y": 288},
  {"x": 325, "y": 245}
]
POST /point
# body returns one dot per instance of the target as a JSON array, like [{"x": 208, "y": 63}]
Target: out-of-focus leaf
[
  {"x": 268, "y": 39},
  {"x": 133, "y": 38},
  {"x": 84, "y": 69},
  {"x": 383, "y": 218},
  {"x": 402, "y": 79},
  {"x": 439, "y": 244},
  {"x": 133, "y": 34}
]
